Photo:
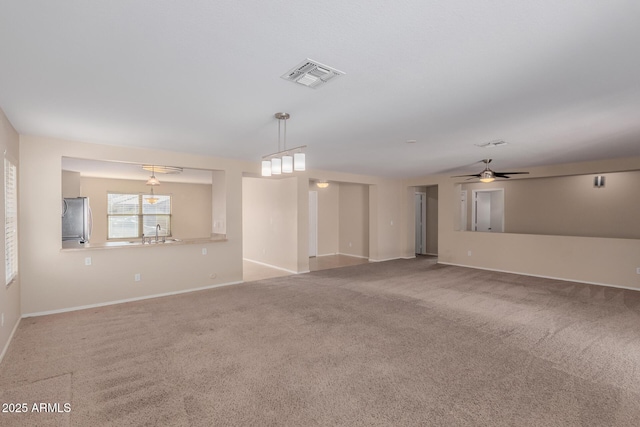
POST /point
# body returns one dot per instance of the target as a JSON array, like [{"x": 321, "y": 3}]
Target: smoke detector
[{"x": 311, "y": 74}]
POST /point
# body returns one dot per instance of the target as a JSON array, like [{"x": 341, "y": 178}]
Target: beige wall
[
  {"x": 391, "y": 220},
  {"x": 219, "y": 200},
  {"x": 353, "y": 219},
  {"x": 54, "y": 279},
  {"x": 10, "y": 296},
  {"x": 570, "y": 205},
  {"x": 190, "y": 205},
  {"x": 432, "y": 219},
  {"x": 609, "y": 261},
  {"x": 70, "y": 184},
  {"x": 270, "y": 221}
]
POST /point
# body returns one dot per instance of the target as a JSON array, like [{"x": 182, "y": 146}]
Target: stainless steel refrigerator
[{"x": 76, "y": 219}]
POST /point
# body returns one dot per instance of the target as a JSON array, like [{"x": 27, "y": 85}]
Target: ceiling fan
[{"x": 487, "y": 175}]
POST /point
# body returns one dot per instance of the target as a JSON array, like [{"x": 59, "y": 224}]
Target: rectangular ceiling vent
[
  {"x": 492, "y": 144},
  {"x": 311, "y": 74}
]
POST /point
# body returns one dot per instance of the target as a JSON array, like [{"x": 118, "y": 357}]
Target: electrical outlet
[
  {"x": 204, "y": 251},
  {"x": 468, "y": 253},
  {"x": 136, "y": 277},
  {"x": 87, "y": 261},
  {"x": 638, "y": 270}
]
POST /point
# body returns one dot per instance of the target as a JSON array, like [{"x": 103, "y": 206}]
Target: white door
[
  {"x": 483, "y": 211},
  {"x": 421, "y": 222},
  {"x": 488, "y": 210},
  {"x": 463, "y": 210},
  {"x": 313, "y": 223}
]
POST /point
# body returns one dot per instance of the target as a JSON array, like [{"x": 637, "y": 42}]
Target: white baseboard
[
  {"x": 102, "y": 304},
  {"x": 6, "y": 347},
  {"x": 270, "y": 266},
  {"x": 391, "y": 259},
  {"x": 352, "y": 255},
  {"x": 542, "y": 277}
]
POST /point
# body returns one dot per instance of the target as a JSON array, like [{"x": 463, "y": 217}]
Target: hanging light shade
[
  {"x": 151, "y": 199},
  {"x": 153, "y": 180},
  {"x": 286, "y": 160},
  {"x": 266, "y": 168},
  {"x": 322, "y": 184},
  {"x": 276, "y": 166},
  {"x": 287, "y": 164},
  {"x": 299, "y": 163}
]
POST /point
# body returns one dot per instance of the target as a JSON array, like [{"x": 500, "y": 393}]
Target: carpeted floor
[{"x": 404, "y": 342}]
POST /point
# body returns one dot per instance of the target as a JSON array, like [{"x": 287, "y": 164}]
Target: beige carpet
[{"x": 398, "y": 343}]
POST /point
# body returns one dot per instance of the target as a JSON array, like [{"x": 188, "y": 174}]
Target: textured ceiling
[{"x": 558, "y": 80}]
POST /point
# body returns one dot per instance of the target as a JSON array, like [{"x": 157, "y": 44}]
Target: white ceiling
[{"x": 558, "y": 80}]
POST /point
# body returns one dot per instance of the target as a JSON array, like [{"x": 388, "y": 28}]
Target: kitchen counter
[{"x": 137, "y": 243}]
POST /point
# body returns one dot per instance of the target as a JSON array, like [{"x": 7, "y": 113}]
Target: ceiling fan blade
[
  {"x": 476, "y": 175},
  {"x": 506, "y": 174}
]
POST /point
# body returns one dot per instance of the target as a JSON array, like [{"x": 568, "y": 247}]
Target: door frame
[
  {"x": 474, "y": 224},
  {"x": 423, "y": 221},
  {"x": 313, "y": 227},
  {"x": 463, "y": 210}
]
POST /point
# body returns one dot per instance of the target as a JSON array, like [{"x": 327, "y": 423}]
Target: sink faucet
[
  {"x": 157, "y": 229},
  {"x": 143, "y": 238}
]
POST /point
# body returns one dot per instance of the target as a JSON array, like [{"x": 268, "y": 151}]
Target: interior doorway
[
  {"x": 488, "y": 210},
  {"x": 426, "y": 220},
  {"x": 421, "y": 222}
]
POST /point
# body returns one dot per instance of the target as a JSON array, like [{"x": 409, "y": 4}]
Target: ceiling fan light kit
[
  {"x": 287, "y": 160},
  {"x": 487, "y": 176}
]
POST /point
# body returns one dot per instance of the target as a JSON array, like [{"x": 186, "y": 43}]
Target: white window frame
[
  {"x": 140, "y": 215},
  {"x": 10, "y": 221}
]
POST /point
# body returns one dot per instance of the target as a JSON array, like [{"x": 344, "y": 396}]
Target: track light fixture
[{"x": 286, "y": 160}]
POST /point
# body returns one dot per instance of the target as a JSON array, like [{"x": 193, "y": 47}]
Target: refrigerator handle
[
  {"x": 90, "y": 223},
  {"x": 64, "y": 207}
]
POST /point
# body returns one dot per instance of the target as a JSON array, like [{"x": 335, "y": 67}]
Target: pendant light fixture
[
  {"x": 151, "y": 199},
  {"x": 153, "y": 180},
  {"x": 285, "y": 160}
]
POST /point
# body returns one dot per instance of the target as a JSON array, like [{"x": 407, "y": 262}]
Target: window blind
[
  {"x": 131, "y": 215},
  {"x": 11, "y": 221}
]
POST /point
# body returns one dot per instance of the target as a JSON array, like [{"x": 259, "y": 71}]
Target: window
[
  {"x": 10, "y": 221},
  {"x": 132, "y": 215}
]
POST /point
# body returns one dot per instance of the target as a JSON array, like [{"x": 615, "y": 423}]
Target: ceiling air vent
[
  {"x": 492, "y": 144},
  {"x": 311, "y": 74}
]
